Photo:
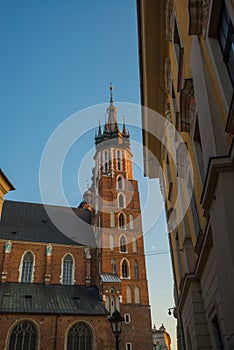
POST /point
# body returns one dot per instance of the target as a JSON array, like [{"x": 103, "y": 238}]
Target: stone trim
[
  {"x": 216, "y": 166},
  {"x": 198, "y": 16},
  {"x": 186, "y": 99},
  {"x": 169, "y": 9},
  {"x": 168, "y": 75}
]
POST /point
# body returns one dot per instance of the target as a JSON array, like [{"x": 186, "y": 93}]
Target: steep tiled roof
[
  {"x": 110, "y": 277},
  {"x": 22, "y": 221},
  {"x": 50, "y": 299}
]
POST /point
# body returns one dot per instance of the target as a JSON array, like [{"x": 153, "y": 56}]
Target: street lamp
[{"x": 116, "y": 322}]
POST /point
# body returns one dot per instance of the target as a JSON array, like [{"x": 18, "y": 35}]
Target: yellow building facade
[
  {"x": 5, "y": 187},
  {"x": 186, "y": 55}
]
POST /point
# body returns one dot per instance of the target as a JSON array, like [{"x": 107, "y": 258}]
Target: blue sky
[{"x": 57, "y": 57}]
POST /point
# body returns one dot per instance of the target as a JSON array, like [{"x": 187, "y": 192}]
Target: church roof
[
  {"x": 23, "y": 221},
  {"x": 32, "y": 298},
  {"x": 110, "y": 277}
]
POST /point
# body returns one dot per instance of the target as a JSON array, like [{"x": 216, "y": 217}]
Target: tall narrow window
[
  {"x": 123, "y": 244},
  {"x": 112, "y": 242},
  {"x": 106, "y": 161},
  {"x": 23, "y": 336},
  {"x": 131, "y": 222},
  {"x": 121, "y": 221},
  {"x": 226, "y": 40},
  {"x": 137, "y": 295},
  {"x": 129, "y": 294},
  {"x": 112, "y": 219},
  {"x": 120, "y": 183},
  {"x": 136, "y": 270},
  {"x": 125, "y": 269},
  {"x": 198, "y": 151},
  {"x": 117, "y": 303},
  {"x": 134, "y": 244},
  {"x": 119, "y": 166},
  {"x": 68, "y": 270},
  {"x": 194, "y": 210},
  {"x": 176, "y": 41},
  {"x": 80, "y": 337},
  {"x": 121, "y": 200},
  {"x": 113, "y": 265},
  {"x": 27, "y": 268}
]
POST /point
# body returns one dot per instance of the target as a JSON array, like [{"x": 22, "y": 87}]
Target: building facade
[
  {"x": 161, "y": 339},
  {"x": 187, "y": 73},
  {"x": 57, "y": 292}
]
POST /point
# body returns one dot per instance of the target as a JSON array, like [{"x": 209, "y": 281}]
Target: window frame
[
  {"x": 90, "y": 328},
  {"x": 21, "y": 267},
  {"x": 72, "y": 272},
  {"x": 18, "y": 322}
]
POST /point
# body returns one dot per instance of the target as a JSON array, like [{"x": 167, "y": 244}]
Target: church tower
[{"x": 118, "y": 231}]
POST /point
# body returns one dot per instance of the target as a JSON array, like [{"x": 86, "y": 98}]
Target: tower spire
[{"x": 111, "y": 93}]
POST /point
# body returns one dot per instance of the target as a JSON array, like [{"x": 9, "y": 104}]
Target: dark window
[
  {"x": 23, "y": 337},
  {"x": 125, "y": 272},
  {"x": 27, "y": 268},
  {"x": 127, "y": 318},
  {"x": 121, "y": 201},
  {"x": 121, "y": 221},
  {"x": 136, "y": 270},
  {"x": 113, "y": 265},
  {"x": 67, "y": 270},
  {"x": 118, "y": 160},
  {"x": 198, "y": 150},
  {"x": 106, "y": 167},
  {"x": 176, "y": 41},
  {"x": 120, "y": 182},
  {"x": 79, "y": 337},
  {"x": 226, "y": 40},
  {"x": 123, "y": 247}
]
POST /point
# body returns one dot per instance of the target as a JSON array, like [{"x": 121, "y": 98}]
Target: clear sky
[{"x": 57, "y": 57}]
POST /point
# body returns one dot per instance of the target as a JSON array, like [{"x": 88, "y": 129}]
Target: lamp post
[{"x": 116, "y": 322}]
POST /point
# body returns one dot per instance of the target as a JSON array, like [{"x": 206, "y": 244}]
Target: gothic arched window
[
  {"x": 137, "y": 295},
  {"x": 23, "y": 336},
  {"x": 125, "y": 269},
  {"x": 80, "y": 337},
  {"x": 68, "y": 270},
  {"x": 123, "y": 244},
  {"x": 113, "y": 265},
  {"x": 129, "y": 294},
  {"x": 131, "y": 221},
  {"x": 134, "y": 244},
  {"x": 121, "y": 200},
  {"x": 120, "y": 183},
  {"x": 121, "y": 221},
  {"x": 106, "y": 156},
  {"x": 27, "y": 268},
  {"x": 136, "y": 270}
]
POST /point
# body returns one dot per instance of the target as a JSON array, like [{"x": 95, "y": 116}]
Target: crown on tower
[{"x": 111, "y": 131}]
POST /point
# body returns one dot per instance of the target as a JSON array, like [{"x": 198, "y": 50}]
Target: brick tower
[{"x": 118, "y": 231}]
